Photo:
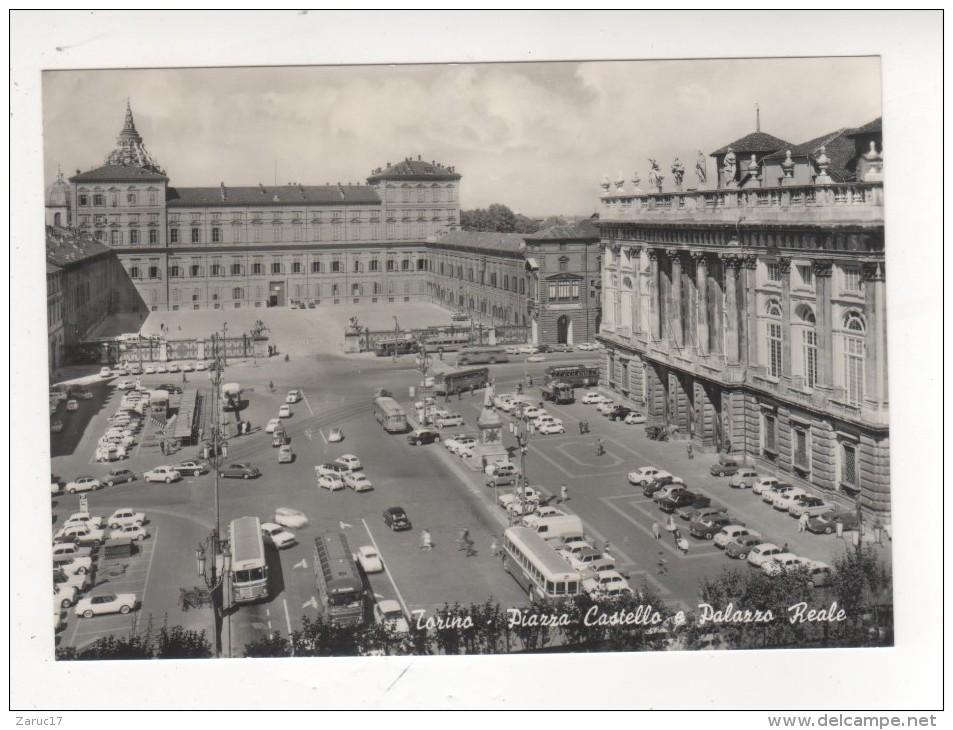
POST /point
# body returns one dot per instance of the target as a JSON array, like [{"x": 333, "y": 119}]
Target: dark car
[
  {"x": 115, "y": 476},
  {"x": 239, "y": 471},
  {"x": 709, "y": 526},
  {"x": 396, "y": 519},
  {"x": 659, "y": 482},
  {"x": 169, "y": 388},
  {"x": 423, "y": 436},
  {"x": 678, "y": 499},
  {"x": 619, "y": 412},
  {"x": 725, "y": 468},
  {"x": 544, "y": 348},
  {"x": 195, "y": 467},
  {"x": 687, "y": 510},
  {"x": 741, "y": 546},
  {"x": 562, "y": 347},
  {"x": 280, "y": 438},
  {"x": 827, "y": 523}
]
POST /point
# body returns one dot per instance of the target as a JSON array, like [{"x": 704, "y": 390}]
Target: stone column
[
  {"x": 750, "y": 330},
  {"x": 701, "y": 285},
  {"x": 676, "y": 308},
  {"x": 731, "y": 265},
  {"x": 654, "y": 315},
  {"x": 784, "y": 264},
  {"x": 825, "y": 340},
  {"x": 635, "y": 256},
  {"x": 875, "y": 310}
]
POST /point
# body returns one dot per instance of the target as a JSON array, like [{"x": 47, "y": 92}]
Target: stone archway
[{"x": 564, "y": 330}]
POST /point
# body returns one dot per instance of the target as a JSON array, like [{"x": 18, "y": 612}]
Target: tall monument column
[
  {"x": 825, "y": 338},
  {"x": 731, "y": 265},
  {"x": 676, "y": 308},
  {"x": 784, "y": 265},
  {"x": 875, "y": 386},
  {"x": 655, "y": 328},
  {"x": 701, "y": 286}
]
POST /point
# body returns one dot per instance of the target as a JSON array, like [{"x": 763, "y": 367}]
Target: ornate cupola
[{"x": 130, "y": 150}]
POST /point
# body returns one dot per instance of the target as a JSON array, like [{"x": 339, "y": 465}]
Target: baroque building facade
[{"x": 748, "y": 314}]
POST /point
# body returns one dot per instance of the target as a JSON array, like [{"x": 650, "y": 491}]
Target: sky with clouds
[{"x": 537, "y": 137}]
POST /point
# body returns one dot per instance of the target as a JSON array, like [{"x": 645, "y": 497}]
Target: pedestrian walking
[
  {"x": 519, "y": 388},
  {"x": 426, "y": 542},
  {"x": 494, "y": 548},
  {"x": 802, "y": 523},
  {"x": 660, "y": 563},
  {"x": 676, "y": 536},
  {"x": 670, "y": 525},
  {"x": 459, "y": 395},
  {"x": 530, "y": 381},
  {"x": 657, "y": 531},
  {"x": 690, "y": 450},
  {"x": 601, "y": 446},
  {"x": 580, "y": 428},
  {"x": 563, "y": 494},
  {"x": 683, "y": 546},
  {"x": 607, "y": 550},
  {"x": 785, "y": 548}
]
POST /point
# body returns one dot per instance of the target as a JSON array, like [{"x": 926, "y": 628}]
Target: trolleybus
[
  {"x": 457, "y": 381},
  {"x": 249, "y": 571},
  {"x": 536, "y": 565},
  {"x": 578, "y": 376},
  {"x": 339, "y": 582},
  {"x": 390, "y": 415}
]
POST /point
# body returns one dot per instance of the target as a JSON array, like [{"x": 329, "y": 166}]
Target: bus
[
  {"x": 578, "y": 376},
  {"x": 457, "y": 381},
  {"x": 390, "y": 415},
  {"x": 536, "y": 565},
  {"x": 402, "y": 346},
  {"x": 340, "y": 587},
  {"x": 475, "y": 355},
  {"x": 446, "y": 343},
  {"x": 249, "y": 573}
]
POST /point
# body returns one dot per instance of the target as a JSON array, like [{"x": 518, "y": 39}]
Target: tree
[
  {"x": 497, "y": 218},
  {"x": 270, "y": 645},
  {"x": 179, "y": 643}
]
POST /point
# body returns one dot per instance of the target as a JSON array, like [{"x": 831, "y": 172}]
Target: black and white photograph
[{"x": 397, "y": 362}]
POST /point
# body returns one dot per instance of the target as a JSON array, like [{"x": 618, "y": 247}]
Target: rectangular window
[
  {"x": 296, "y": 233},
  {"x": 335, "y": 267},
  {"x": 315, "y": 267},
  {"x": 174, "y": 272},
  {"x": 421, "y": 264},
  {"x": 173, "y": 235},
  {"x": 390, "y": 264},
  {"x": 563, "y": 263},
  {"x": 153, "y": 272},
  {"x": 131, "y": 198},
  {"x": 373, "y": 265},
  {"x": 405, "y": 265},
  {"x": 852, "y": 279},
  {"x": 522, "y": 286},
  {"x": 774, "y": 271},
  {"x": 216, "y": 269},
  {"x": 99, "y": 200},
  {"x": 848, "y": 465},
  {"x": 357, "y": 266},
  {"x": 216, "y": 235},
  {"x": 135, "y": 272},
  {"x": 195, "y": 235},
  {"x": 153, "y": 198},
  {"x": 238, "y": 293},
  {"x": 854, "y": 369},
  {"x": 563, "y": 290},
  {"x": 133, "y": 237},
  {"x": 809, "y": 339},
  {"x": 806, "y": 273},
  {"x": 770, "y": 435},
  {"x": 355, "y": 289},
  {"x": 195, "y": 270},
  {"x": 774, "y": 349},
  {"x": 799, "y": 445},
  {"x": 276, "y": 233},
  {"x": 295, "y": 267},
  {"x": 83, "y": 199},
  {"x": 276, "y": 267},
  {"x": 114, "y": 238},
  {"x": 153, "y": 236},
  {"x": 256, "y": 268},
  {"x": 236, "y": 269},
  {"x": 257, "y": 235}
]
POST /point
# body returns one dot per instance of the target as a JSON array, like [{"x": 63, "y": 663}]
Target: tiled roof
[
  {"x": 754, "y": 142},
  {"x": 581, "y": 230},
  {"x": 414, "y": 169},
  {"x": 65, "y": 247},
  {"x": 838, "y": 147},
  {"x": 280, "y": 195},
  {"x": 874, "y": 127},
  {"x": 489, "y": 240},
  {"x": 117, "y": 173}
]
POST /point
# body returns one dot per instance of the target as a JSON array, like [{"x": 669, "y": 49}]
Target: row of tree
[
  {"x": 860, "y": 586},
  {"x": 500, "y": 219}
]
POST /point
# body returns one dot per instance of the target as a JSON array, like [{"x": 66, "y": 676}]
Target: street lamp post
[{"x": 522, "y": 440}]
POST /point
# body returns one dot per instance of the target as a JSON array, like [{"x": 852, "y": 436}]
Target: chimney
[
  {"x": 418, "y": 158},
  {"x": 224, "y": 192}
]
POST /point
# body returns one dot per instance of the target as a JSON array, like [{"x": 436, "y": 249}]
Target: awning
[{"x": 532, "y": 265}]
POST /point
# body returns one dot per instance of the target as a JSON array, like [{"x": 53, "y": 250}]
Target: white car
[
  {"x": 272, "y": 425},
  {"x": 128, "y": 532},
  {"x": 80, "y": 518},
  {"x": 545, "y": 417},
  {"x": 174, "y": 367},
  {"x": 785, "y": 500},
  {"x": 782, "y": 563},
  {"x": 445, "y": 420},
  {"x": 105, "y": 373},
  {"x": 187, "y": 367},
  {"x": 548, "y": 427},
  {"x": 606, "y": 582},
  {"x": 675, "y": 486},
  {"x": 289, "y": 517},
  {"x": 743, "y": 479},
  {"x": 350, "y": 461},
  {"x": 529, "y": 493},
  {"x": 358, "y": 482},
  {"x": 149, "y": 370},
  {"x": 278, "y": 534},
  {"x": 536, "y": 358},
  {"x": 165, "y": 474},
  {"x": 586, "y": 346},
  {"x": 458, "y": 443},
  {"x": 335, "y": 435},
  {"x": 81, "y": 534},
  {"x": 730, "y": 532},
  {"x": 106, "y": 603},
  {"x": 293, "y": 396},
  {"x": 643, "y": 475},
  {"x": 760, "y": 554},
  {"x": 528, "y": 349},
  {"x": 83, "y": 484},
  {"x": 606, "y": 407},
  {"x": 369, "y": 559},
  {"x": 531, "y": 413},
  {"x": 161, "y": 368},
  {"x": 72, "y": 404},
  {"x": 389, "y": 613},
  {"x": 330, "y": 482},
  {"x": 125, "y": 384},
  {"x": 763, "y": 484},
  {"x": 634, "y": 418},
  {"x": 284, "y": 411},
  {"x": 200, "y": 365},
  {"x": 126, "y": 516},
  {"x": 502, "y": 398},
  {"x": 768, "y": 495}
]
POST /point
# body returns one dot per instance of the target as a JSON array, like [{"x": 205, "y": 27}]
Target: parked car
[
  {"x": 543, "y": 510},
  {"x": 827, "y": 522},
  {"x": 84, "y": 518},
  {"x": 744, "y": 478},
  {"x": 128, "y": 532},
  {"x": 149, "y": 370},
  {"x": 285, "y": 454},
  {"x": 528, "y": 349},
  {"x": 809, "y": 505},
  {"x": 284, "y": 411},
  {"x": 785, "y": 500},
  {"x": 161, "y": 368},
  {"x": 681, "y": 498},
  {"x": 272, "y": 425},
  {"x": 764, "y": 483},
  {"x": 820, "y": 573},
  {"x": 536, "y": 358},
  {"x": 562, "y": 347},
  {"x": 389, "y": 613},
  {"x": 369, "y": 559},
  {"x": 421, "y": 436},
  {"x": 358, "y": 481},
  {"x": 56, "y": 426},
  {"x": 115, "y": 476},
  {"x": 396, "y": 519},
  {"x": 619, "y": 413},
  {"x": 289, "y": 517},
  {"x": 195, "y": 467},
  {"x": 701, "y": 502},
  {"x": 126, "y": 516},
  {"x": 105, "y": 373},
  {"x": 278, "y": 535},
  {"x": 83, "y": 484},
  {"x": 239, "y": 471},
  {"x": 768, "y": 495},
  {"x": 741, "y": 546},
  {"x": 531, "y": 413},
  {"x": 725, "y": 468},
  {"x": 634, "y": 418},
  {"x": 335, "y": 435},
  {"x": 71, "y": 550},
  {"x": 592, "y": 398},
  {"x": 106, "y": 603},
  {"x": 70, "y": 564},
  {"x": 587, "y": 346},
  {"x": 293, "y": 396},
  {"x": 607, "y": 584},
  {"x": 170, "y": 388},
  {"x": 501, "y": 479},
  {"x": 72, "y": 404},
  {"x": 173, "y": 367},
  {"x": 459, "y": 444},
  {"x": 165, "y": 474},
  {"x": 529, "y": 494},
  {"x": 783, "y": 563},
  {"x": 333, "y": 469},
  {"x": 279, "y": 438},
  {"x": 331, "y": 482},
  {"x": 350, "y": 461},
  {"x": 669, "y": 490},
  {"x": 760, "y": 554},
  {"x": 80, "y": 534},
  {"x": 730, "y": 532},
  {"x": 447, "y": 420},
  {"x": 187, "y": 367},
  {"x": 708, "y": 526},
  {"x": 548, "y": 427},
  {"x": 606, "y": 407},
  {"x": 643, "y": 475}
]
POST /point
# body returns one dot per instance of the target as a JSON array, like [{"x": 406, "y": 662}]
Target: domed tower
[{"x": 58, "y": 203}]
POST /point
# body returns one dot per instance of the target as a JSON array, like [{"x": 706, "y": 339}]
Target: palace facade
[{"x": 748, "y": 313}]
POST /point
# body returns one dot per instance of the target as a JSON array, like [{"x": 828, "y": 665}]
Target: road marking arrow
[
  {"x": 313, "y": 603},
  {"x": 303, "y": 563}
]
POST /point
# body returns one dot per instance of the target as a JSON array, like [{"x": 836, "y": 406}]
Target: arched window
[
  {"x": 773, "y": 308},
  {"x": 808, "y": 345},
  {"x": 854, "y": 322},
  {"x": 773, "y": 339},
  {"x": 854, "y": 357}
]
